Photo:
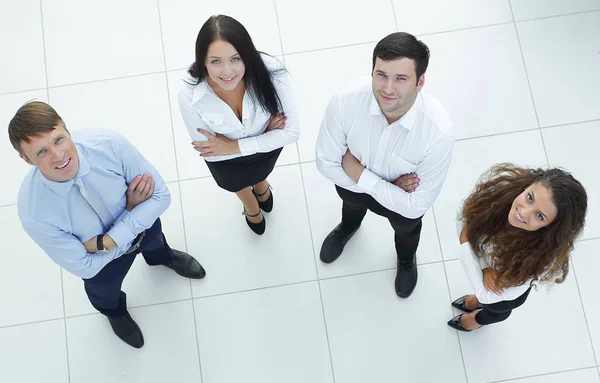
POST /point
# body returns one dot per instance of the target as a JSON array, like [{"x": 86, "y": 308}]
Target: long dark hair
[
  {"x": 519, "y": 255},
  {"x": 258, "y": 78}
]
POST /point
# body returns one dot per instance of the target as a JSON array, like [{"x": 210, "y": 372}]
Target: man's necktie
[{"x": 98, "y": 206}]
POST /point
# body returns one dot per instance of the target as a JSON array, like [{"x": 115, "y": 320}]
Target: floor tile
[
  {"x": 34, "y": 353},
  {"x": 135, "y": 107},
  {"x": 270, "y": 335},
  {"x": 89, "y": 40},
  {"x": 504, "y": 350},
  {"x": 574, "y": 148},
  {"x": 449, "y": 15},
  {"x": 144, "y": 285},
  {"x": 533, "y": 9},
  {"x": 589, "y": 375},
  {"x": 234, "y": 257},
  {"x": 189, "y": 163},
  {"x": 182, "y": 19},
  {"x": 375, "y": 336},
  {"x": 563, "y": 101},
  {"x": 372, "y": 247},
  {"x": 9, "y": 104},
  {"x": 23, "y": 62},
  {"x": 30, "y": 285},
  {"x": 169, "y": 354},
  {"x": 585, "y": 259},
  {"x": 316, "y": 77},
  {"x": 490, "y": 65},
  {"x": 350, "y": 22},
  {"x": 471, "y": 159}
]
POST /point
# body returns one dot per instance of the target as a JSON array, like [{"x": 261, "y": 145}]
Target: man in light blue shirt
[{"x": 92, "y": 202}]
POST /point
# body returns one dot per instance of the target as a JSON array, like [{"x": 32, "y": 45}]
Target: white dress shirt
[
  {"x": 202, "y": 108},
  {"x": 422, "y": 141},
  {"x": 473, "y": 266}
]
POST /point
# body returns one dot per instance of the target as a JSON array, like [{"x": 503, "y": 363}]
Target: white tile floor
[{"x": 520, "y": 79}]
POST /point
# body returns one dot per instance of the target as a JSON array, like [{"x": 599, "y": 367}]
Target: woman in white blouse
[
  {"x": 517, "y": 229},
  {"x": 239, "y": 110}
]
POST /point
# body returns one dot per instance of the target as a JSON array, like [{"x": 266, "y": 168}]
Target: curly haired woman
[{"x": 516, "y": 229}]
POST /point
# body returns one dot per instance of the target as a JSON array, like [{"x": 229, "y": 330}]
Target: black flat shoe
[
  {"x": 460, "y": 304},
  {"x": 406, "y": 277},
  {"x": 258, "y": 228},
  {"x": 186, "y": 265},
  {"x": 455, "y": 323},
  {"x": 265, "y": 205},
  {"x": 127, "y": 330},
  {"x": 334, "y": 243}
]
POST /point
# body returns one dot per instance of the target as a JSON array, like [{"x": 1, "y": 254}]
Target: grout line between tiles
[
  {"x": 557, "y": 16},
  {"x": 162, "y": 42},
  {"x": 32, "y": 323},
  {"x": 25, "y": 90},
  {"x": 394, "y": 14},
  {"x": 462, "y": 355},
  {"x": 587, "y": 324},
  {"x": 62, "y": 289},
  {"x": 569, "y": 123},
  {"x": 496, "y": 134},
  {"x": 543, "y": 374},
  {"x": 312, "y": 244}
]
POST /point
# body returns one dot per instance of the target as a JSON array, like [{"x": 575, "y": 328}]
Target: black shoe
[
  {"x": 460, "y": 304},
  {"x": 406, "y": 277},
  {"x": 126, "y": 329},
  {"x": 265, "y": 205},
  {"x": 456, "y": 324},
  {"x": 334, "y": 243},
  {"x": 186, "y": 266},
  {"x": 258, "y": 228}
]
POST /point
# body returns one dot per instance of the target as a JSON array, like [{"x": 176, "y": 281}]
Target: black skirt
[{"x": 238, "y": 173}]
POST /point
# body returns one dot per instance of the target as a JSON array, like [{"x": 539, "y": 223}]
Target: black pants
[
  {"x": 104, "y": 289},
  {"x": 497, "y": 312},
  {"x": 407, "y": 231}
]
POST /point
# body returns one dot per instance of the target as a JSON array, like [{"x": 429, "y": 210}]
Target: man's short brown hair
[{"x": 32, "y": 120}]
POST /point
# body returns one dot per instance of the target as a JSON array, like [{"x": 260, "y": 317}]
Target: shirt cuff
[
  {"x": 368, "y": 180},
  {"x": 120, "y": 232},
  {"x": 248, "y": 145}
]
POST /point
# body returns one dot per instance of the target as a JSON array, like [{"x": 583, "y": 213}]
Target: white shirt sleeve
[
  {"x": 193, "y": 121},
  {"x": 431, "y": 171},
  {"x": 472, "y": 268},
  {"x": 332, "y": 145},
  {"x": 269, "y": 141}
]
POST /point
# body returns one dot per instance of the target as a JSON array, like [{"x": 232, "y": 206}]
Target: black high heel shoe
[
  {"x": 258, "y": 228},
  {"x": 455, "y": 323},
  {"x": 460, "y": 304},
  {"x": 265, "y": 205}
]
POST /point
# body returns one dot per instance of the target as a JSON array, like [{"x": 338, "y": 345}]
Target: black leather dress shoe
[
  {"x": 126, "y": 329},
  {"x": 406, "y": 277},
  {"x": 460, "y": 304},
  {"x": 456, "y": 324},
  {"x": 186, "y": 266},
  {"x": 334, "y": 243},
  {"x": 265, "y": 205}
]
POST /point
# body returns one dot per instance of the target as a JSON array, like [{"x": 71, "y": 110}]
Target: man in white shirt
[{"x": 387, "y": 147}]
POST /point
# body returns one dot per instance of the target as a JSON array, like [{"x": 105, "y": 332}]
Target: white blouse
[
  {"x": 202, "y": 108},
  {"x": 473, "y": 266}
]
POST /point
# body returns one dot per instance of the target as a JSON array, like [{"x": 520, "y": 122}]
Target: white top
[
  {"x": 421, "y": 141},
  {"x": 202, "y": 108},
  {"x": 472, "y": 264}
]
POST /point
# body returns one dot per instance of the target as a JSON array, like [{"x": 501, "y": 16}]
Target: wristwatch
[{"x": 100, "y": 249}]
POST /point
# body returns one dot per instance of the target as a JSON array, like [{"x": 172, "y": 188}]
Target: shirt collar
[
  {"x": 200, "y": 91},
  {"x": 63, "y": 188},
  {"x": 408, "y": 120}
]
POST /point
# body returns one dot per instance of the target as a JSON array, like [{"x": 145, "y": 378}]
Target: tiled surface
[{"x": 269, "y": 310}]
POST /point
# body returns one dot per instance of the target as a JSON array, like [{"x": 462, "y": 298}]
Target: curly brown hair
[{"x": 519, "y": 255}]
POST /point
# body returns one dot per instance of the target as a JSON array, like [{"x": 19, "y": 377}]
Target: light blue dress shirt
[{"x": 59, "y": 219}]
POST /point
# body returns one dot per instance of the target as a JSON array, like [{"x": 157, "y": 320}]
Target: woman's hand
[
  {"x": 216, "y": 145},
  {"x": 490, "y": 280},
  {"x": 276, "y": 121}
]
